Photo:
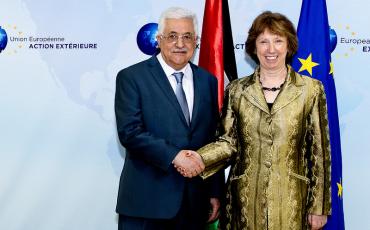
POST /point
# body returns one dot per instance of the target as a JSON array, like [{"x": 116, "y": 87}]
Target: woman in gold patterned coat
[{"x": 274, "y": 134}]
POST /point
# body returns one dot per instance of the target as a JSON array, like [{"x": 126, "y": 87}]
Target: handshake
[{"x": 188, "y": 163}]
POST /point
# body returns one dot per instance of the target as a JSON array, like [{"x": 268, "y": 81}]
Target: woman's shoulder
[
  {"x": 311, "y": 83},
  {"x": 240, "y": 83}
]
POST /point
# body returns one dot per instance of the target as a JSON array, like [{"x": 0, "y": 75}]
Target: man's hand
[
  {"x": 317, "y": 221},
  {"x": 214, "y": 213},
  {"x": 188, "y": 163}
]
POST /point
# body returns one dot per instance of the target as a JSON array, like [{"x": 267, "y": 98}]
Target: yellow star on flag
[
  {"x": 340, "y": 188},
  {"x": 307, "y": 64},
  {"x": 331, "y": 68}
]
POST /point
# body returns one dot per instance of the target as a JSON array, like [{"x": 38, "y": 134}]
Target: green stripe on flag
[{"x": 212, "y": 226}]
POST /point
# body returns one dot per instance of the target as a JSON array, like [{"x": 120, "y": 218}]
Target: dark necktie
[{"x": 180, "y": 94}]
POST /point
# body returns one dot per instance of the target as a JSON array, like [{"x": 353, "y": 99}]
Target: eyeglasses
[{"x": 173, "y": 38}]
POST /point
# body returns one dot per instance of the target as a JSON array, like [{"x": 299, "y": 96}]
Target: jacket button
[
  {"x": 269, "y": 120},
  {"x": 268, "y": 164},
  {"x": 269, "y": 142}
]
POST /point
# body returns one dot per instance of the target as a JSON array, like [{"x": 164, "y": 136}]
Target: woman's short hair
[
  {"x": 177, "y": 13},
  {"x": 276, "y": 23}
]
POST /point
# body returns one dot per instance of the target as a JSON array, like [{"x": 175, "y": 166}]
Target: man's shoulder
[
  {"x": 137, "y": 67},
  {"x": 202, "y": 72},
  {"x": 198, "y": 69}
]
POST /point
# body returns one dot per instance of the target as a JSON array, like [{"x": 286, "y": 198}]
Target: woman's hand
[{"x": 317, "y": 221}]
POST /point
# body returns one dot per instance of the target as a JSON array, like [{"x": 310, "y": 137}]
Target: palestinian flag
[{"x": 217, "y": 47}]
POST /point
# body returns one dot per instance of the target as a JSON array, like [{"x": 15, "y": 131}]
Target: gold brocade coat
[{"x": 280, "y": 159}]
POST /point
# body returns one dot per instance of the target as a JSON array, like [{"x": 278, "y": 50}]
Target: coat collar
[
  {"x": 197, "y": 92},
  {"x": 160, "y": 77},
  {"x": 290, "y": 91}
]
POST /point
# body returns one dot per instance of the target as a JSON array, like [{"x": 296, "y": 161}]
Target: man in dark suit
[{"x": 163, "y": 105}]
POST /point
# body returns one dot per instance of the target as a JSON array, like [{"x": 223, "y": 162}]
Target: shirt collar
[{"x": 168, "y": 70}]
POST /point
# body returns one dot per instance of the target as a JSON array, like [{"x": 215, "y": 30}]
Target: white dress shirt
[{"x": 187, "y": 81}]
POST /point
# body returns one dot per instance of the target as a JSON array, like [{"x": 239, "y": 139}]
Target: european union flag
[{"x": 313, "y": 59}]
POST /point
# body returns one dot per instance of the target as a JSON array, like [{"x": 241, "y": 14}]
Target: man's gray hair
[{"x": 177, "y": 13}]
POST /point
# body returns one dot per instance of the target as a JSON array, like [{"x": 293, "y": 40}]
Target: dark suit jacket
[{"x": 153, "y": 129}]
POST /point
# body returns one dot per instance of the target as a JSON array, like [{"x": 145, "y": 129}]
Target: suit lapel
[
  {"x": 197, "y": 100},
  {"x": 255, "y": 95},
  {"x": 289, "y": 93},
  {"x": 163, "y": 83}
]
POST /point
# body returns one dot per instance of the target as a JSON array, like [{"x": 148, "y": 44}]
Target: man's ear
[{"x": 158, "y": 41}]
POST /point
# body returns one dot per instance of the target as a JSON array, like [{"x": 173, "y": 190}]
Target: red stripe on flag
[{"x": 211, "y": 46}]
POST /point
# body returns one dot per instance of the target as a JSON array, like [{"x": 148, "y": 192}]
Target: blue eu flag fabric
[{"x": 313, "y": 59}]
